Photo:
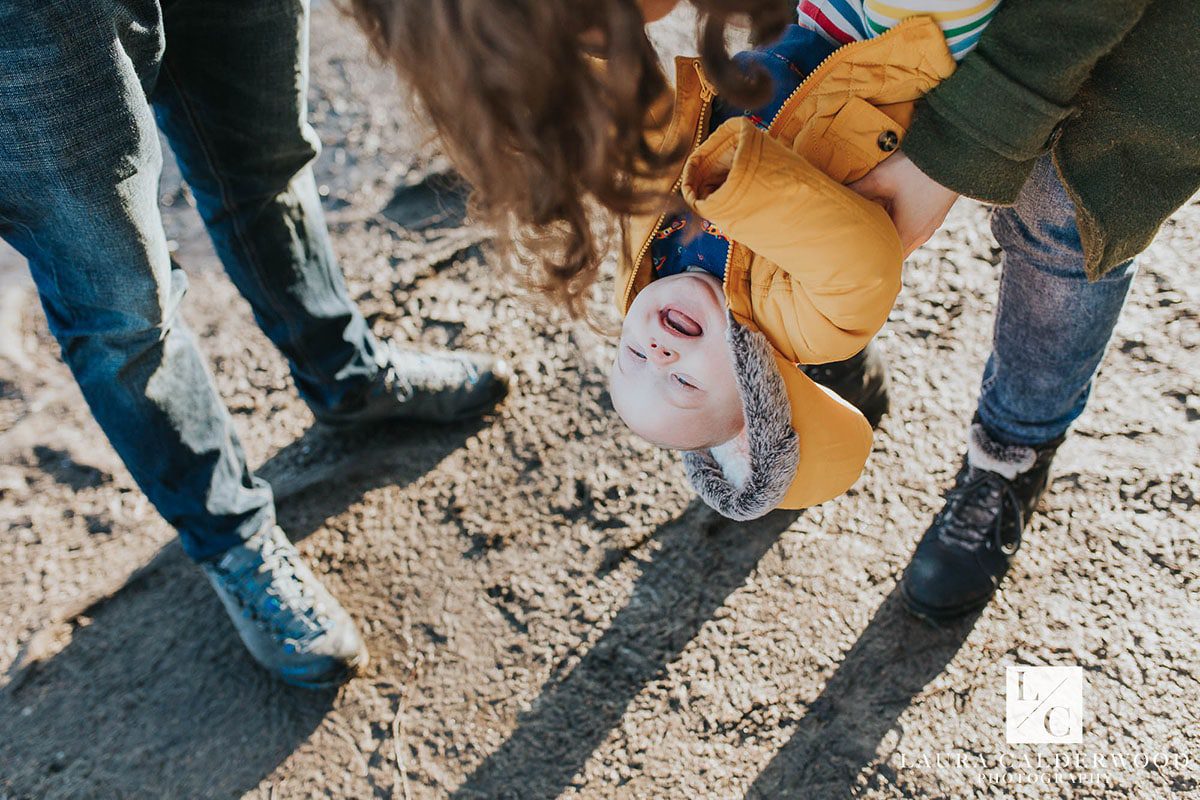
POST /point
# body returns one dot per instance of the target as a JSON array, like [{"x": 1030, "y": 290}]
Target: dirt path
[{"x": 549, "y": 612}]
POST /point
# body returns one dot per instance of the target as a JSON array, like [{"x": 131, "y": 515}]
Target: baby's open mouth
[{"x": 679, "y": 323}]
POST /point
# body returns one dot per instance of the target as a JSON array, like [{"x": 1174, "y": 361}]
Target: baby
[{"x": 775, "y": 264}]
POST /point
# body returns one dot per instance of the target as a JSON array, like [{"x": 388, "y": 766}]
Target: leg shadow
[
  {"x": 892, "y": 661},
  {"x": 153, "y": 696},
  {"x": 701, "y": 559},
  {"x": 439, "y": 201},
  {"x": 147, "y": 690},
  {"x": 431, "y": 220},
  {"x": 324, "y": 472}
]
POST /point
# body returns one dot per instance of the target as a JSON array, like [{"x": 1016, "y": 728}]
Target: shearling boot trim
[
  {"x": 1009, "y": 460},
  {"x": 749, "y": 476}
]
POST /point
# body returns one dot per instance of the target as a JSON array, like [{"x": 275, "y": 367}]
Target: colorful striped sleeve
[
  {"x": 838, "y": 21},
  {"x": 842, "y": 21}
]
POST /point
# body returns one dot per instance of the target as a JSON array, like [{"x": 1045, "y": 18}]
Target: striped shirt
[{"x": 843, "y": 21}]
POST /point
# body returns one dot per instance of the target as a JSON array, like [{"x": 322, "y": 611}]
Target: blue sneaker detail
[{"x": 288, "y": 621}]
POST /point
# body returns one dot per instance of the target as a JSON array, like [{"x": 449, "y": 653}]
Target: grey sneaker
[
  {"x": 429, "y": 386},
  {"x": 289, "y": 623}
]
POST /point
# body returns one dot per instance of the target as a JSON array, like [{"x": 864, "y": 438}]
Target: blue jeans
[
  {"x": 1052, "y": 325},
  {"x": 82, "y": 85}
]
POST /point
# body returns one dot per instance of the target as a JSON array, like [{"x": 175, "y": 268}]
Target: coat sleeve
[
  {"x": 834, "y": 256},
  {"x": 980, "y": 130}
]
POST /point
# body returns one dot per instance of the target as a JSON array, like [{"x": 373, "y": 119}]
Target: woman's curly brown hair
[{"x": 543, "y": 137}]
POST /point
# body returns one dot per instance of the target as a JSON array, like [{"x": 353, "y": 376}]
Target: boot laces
[{"x": 975, "y": 513}]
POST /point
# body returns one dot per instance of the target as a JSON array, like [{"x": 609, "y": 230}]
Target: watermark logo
[{"x": 1044, "y": 705}]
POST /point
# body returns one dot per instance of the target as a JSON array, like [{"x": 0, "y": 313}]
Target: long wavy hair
[{"x": 545, "y": 138}]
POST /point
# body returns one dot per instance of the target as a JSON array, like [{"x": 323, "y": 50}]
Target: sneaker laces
[
  {"x": 974, "y": 512},
  {"x": 413, "y": 370},
  {"x": 270, "y": 592}
]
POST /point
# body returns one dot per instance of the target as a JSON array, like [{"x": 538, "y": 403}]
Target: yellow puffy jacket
[{"x": 813, "y": 266}]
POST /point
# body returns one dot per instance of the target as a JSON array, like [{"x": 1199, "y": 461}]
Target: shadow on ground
[
  {"x": 438, "y": 201},
  {"x": 700, "y": 559},
  {"x": 892, "y": 661},
  {"x": 152, "y": 694}
]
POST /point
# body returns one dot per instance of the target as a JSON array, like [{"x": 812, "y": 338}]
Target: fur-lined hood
[{"x": 802, "y": 444}]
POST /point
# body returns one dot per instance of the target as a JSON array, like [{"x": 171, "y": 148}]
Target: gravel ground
[{"x": 549, "y": 611}]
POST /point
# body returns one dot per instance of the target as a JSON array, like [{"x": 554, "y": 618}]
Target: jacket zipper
[
  {"x": 837, "y": 55},
  {"x": 799, "y": 92},
  {"x": 706, "y": 96}
]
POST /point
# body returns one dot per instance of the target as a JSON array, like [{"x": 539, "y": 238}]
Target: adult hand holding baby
[{"x": 917, "y": 204}]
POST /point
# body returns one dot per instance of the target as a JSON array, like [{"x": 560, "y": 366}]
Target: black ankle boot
[
  {"x": 860, "y": 380},
  {"x": 966, "y": 551}
]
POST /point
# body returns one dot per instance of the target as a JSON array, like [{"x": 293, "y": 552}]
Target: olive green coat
[{"x": 1111, "y": 88}]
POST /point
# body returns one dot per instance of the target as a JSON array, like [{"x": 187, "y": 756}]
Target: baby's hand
[
  {"x": 709, "y": 167},
  {"x": 714, "y": 174}
]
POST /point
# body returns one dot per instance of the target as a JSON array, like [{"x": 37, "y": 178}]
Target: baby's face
[{"x": 672, "y": 380}]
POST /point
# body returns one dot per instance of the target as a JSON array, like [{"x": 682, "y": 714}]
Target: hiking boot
[
  {"x": 860, "y": 380},
  {"x": 427, "y": 386},
  {"x": 967, "y": 550},
  {"x": 288, "y": 622}
]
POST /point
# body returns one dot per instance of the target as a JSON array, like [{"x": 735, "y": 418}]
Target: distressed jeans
[
  {"x": 83, "y": 84},
  {"x": 1052, "y": 324}
]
